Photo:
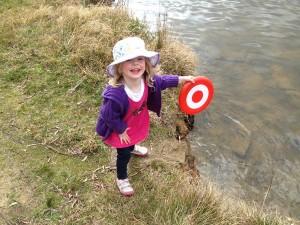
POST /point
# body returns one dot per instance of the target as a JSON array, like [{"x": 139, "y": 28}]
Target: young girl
[{"x": 133, "y": 90}]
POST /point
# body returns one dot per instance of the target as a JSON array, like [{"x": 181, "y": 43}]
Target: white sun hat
[{"x": 130, "y": 48}]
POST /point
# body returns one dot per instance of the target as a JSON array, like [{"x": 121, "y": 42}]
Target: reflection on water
[{"x": 249, "y": 138}]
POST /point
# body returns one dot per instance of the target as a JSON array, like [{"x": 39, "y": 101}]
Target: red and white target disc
[{"x": 195, "y": 97}]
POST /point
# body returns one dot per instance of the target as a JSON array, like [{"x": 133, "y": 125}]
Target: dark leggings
[{"x": 123, "y": 158}]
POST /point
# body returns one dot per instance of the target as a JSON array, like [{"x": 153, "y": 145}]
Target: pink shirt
[{"x": 137, "y": 120}]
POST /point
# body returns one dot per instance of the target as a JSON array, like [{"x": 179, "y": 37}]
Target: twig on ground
[
  {"x": 73, "y": 89},
  {"x": 50, "y": 148}
]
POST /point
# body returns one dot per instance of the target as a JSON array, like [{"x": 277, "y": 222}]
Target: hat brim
[{"x": 154, "y": 58}]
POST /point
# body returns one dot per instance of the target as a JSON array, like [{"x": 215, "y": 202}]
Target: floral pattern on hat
[{"x": 129, "y": 48}]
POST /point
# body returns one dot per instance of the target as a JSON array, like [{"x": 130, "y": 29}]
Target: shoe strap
[
  {"x": 124, "y": 184},
  {"x": 138, "y": 148}
]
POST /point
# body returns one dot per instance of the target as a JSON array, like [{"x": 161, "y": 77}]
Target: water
[{"x": 249, "y": 138}]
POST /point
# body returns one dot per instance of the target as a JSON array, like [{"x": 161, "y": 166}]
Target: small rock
[
  {"x": 181, "y": 129},
  {"x": 294, "y": 141}
]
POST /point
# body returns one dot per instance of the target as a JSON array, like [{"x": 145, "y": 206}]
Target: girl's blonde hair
[{"x": 118, "y": 79}]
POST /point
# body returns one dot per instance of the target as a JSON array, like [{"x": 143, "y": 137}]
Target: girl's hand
[
  {"x": 183, "y": 79},
  {"x": 124, "y": 138}
]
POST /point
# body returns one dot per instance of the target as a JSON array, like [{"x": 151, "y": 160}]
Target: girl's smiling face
[{"x": 134, "y": 68}]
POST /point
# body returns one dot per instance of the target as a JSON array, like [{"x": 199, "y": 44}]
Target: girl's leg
[{"x": 123, "y": 158}]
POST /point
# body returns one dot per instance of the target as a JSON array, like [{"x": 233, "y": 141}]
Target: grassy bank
[{"x": 53, "y": 168}]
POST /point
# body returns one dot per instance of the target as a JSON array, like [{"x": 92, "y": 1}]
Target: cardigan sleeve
[
  {"x": 111, "y": 116},
  {"x": 167, "y": 81},
  {"x": 161, "y": 82}
]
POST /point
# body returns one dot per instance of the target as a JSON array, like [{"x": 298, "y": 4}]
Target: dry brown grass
[{"x": 178, "y": 58}]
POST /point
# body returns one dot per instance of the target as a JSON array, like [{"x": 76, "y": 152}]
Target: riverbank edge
[{"x": 153, "y": 163}]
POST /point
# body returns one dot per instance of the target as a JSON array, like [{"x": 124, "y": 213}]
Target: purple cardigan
[{"x": 115, "y": 104}]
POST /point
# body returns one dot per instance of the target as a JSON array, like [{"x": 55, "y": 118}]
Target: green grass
[
  {"x": 8, "y": 4},
  {"x": 53, "y": 168}
]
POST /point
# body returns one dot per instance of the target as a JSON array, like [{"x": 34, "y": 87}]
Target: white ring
[{"x": 189, "y": 97}]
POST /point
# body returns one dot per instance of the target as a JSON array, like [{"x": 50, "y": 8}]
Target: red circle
[{"x": 197, "y": 96}]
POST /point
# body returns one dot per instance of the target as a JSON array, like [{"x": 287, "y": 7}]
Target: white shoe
[
  {"x": 125, "y": 187},
  {"x": 140, "y": 151}
]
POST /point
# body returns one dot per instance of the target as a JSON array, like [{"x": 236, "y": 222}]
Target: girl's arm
[
  {"x": 183, "y": 79},
  {"x": 169, "y": 81}
]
